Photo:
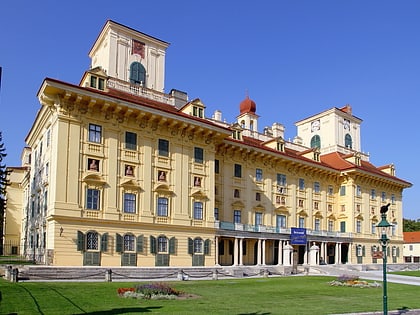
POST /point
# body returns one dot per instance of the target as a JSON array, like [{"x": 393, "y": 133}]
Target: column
[
  {"x": 263, "y": 252},
  {"x": 235, "y": 253},
  {"x": 241, "y": 251},
  {"x": 287, "y": 255},
  {"x": 280, "y": 252},
  {"x": 259, "y": 252},
  {"x": 216, "y": 254},
  {"x": 350, "y": 253}
]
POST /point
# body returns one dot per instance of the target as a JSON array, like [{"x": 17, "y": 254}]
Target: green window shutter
[
  {"x": 388, "y": 251},
  {"x": 244, "y": 247},
  {"x": 124, "y": 259},
  {"x": 119, "y": 243},
  {"x": 140, "y": 241},
  {"x": 96, "y": 257},
  {"x": 104, "y": 242},
  {"x": 80, "y": 241},
  {"x": 162, "y": 260},
  {"x": 398, "y": 252},
  {"x": 363, "y": 251},
  {"x": 190, "y": 246},
  {"x": 172, "y": 245},
  {"x": 153, "y": 249},
  {"x": 207, "y": 247},
  {"x": 129, "y": 259},
  {"x": 198, "y": 260}
]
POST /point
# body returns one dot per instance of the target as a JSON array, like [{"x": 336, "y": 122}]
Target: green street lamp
[{"x": 384, "y": 226}]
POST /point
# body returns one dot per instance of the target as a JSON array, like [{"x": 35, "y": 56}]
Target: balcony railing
[{"x": 223, "y": 225}]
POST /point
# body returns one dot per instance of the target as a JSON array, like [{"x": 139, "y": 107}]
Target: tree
[
  {"x": 4, "y": 181},
  {"x": 411, "y": 225}
]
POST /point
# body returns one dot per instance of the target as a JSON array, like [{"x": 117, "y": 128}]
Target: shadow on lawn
[{"x": 125, "y": 310}]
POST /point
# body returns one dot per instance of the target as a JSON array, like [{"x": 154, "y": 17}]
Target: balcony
[{"x": 223, "y": 225}]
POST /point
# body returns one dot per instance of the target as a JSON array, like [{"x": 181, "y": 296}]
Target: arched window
[
  {"x": 348, "y": 143},
  {"x": 137, "y": 73},
  {"x": 198, "y": 246},
  {"x": 162, "y": 244},
  {"x": 92, "y": 241},
  {"x": 129, "y": 242},
  {"x": 316, "y": 142}
]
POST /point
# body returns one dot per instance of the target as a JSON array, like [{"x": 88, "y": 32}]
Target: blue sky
[{"x": 293, "y": 58}]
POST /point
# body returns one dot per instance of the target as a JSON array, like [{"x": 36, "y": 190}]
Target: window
[
  {"x": 281, "y": 221},
  {"x": 129, "y": 242},
  {"x": 330, "y": 190},
  {"x": 358, "y": 191},
  {"x": 45, "y": 201},
  {"x": 373, "y": 194},
  {"x": 393, "y": 199},
  {"x": 316, "y": 205},
  {"x": 130, "y": 140},
  {"x": 317, "y": 187},
  {"x": 281, "y": 179},
  {"x": 92, "y": 241},
  {"x": 238, "y": 170},
  {"x": 216, "y": 167},
  {"x": 383, "y": 196},
  {"x": 236, "y": 216},
  {"x": 95, "y": 133},
  {"x": 300, "y": 203},
  {"x": 93, "y": 80},
  {"x": 92, "y": 199},
  {"x": 317, "y": 224},
  {"x": 358, "y": 226},
  {"x": 137, "y": 73},
  {"x": 198, "y": 246},
  {"x": 162, "y": 209},
  {"x": 358, "y": 208},
  {"x": 348, "y": 142},
  {"x": 343, "y": 208},
  {"x": 329, "y": 207},
  {"x": 48, "y": 140},
  {"x": 162, "y": 244},
  {"x": 198, "y": 155},
  {"x": 342, "y": 190},
  {"x": 129, "y": 203},
  {"x": 258, "y": 218},
  {"x": 198, "y": 210},
  {"x": 93, "y": 165},
  {"x": 301, "y": 184},
  {"x": 316, "y": 142},
  {"x": 163, "y": 147},
  {"x": 216, "y": 214},
  {"x": 373, "y": 228},
  {"x": 258, "y": 175},
  {"x": 330, "y": 225},
  {"x": 101, "y": 84},
  {"x": 301, "y": 222},
  {"x": 343, "y": 226},
  {"x": 258, "y": 196}
]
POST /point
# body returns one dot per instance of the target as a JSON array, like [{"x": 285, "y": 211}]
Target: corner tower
[
  {"x": 130, "y": 56},
  {"x": 332, "y": 130}
]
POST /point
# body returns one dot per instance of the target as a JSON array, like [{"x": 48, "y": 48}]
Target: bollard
[
  {"x": 215, "y": 277},
  {"x": 108, "y": 275},
  {"x": 265, "y": 273}
]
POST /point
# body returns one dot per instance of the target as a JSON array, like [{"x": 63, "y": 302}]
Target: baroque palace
[{"x": 117, "y": 172}]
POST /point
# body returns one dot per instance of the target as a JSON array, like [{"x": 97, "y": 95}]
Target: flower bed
[
  {"x": 353, "y": 281},
  {"x": 150, "y": 291}
]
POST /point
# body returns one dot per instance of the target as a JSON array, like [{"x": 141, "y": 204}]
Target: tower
[
  {"x": 335, "y": 129},
  {"x": 130, "y": 56}
]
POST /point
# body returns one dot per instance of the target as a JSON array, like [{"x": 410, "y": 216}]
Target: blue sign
[{"x": 298, "y": 236}]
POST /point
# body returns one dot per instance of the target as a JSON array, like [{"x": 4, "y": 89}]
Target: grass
[
  {"x": 415, "y": 273},
  {"x": 257, "y": 296}
]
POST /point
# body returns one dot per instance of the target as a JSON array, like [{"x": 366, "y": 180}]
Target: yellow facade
[{"x": 123, "y": 174}]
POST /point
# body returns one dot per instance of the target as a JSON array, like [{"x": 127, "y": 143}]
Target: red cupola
[{"x": 247, "y": 106}]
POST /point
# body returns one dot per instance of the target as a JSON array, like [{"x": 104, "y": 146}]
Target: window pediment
[
  {"x": 302, "y": 213},
  {"x": 318, "y": 215},
  {"x": 259, "y": 207},
  {"x": 359, "y": 217},
  {"x": 332, "y": 217},
  {"x": 130, "y": 184},
  {"x": 94, "y": 179},
  {"x": 282, "y": 210},
  {"x": 198, "y": 194},
  {"x": 163, "y": 189},
  {"x": 238, "y": 204}
]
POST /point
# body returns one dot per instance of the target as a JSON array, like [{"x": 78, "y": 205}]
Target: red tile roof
[{"x": 412, "y": 237}]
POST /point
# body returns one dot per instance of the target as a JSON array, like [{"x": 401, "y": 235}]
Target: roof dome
[{"x": 247, "y": 106}]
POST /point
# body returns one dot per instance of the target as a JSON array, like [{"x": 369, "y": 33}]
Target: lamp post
[{"x": 384, "y": 241}]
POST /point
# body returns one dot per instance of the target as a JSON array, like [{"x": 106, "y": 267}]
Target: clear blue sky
[{"x": 295, "y": 59}]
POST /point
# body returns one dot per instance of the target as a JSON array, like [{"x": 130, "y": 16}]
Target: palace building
[{"x": 120, "y": 173}]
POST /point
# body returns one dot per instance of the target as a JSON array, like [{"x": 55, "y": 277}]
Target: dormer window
[
  {"x": 316, "y": 156},
  {"x": 280, "y": 146},
  {"x": 198, "y": 112},
  {"x": 97, "y": 83},
  {"x": 236, "y": 134}
]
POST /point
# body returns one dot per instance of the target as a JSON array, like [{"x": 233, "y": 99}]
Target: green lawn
[
  {"x": 258, "y": 296},
  {"x": 415, "y": 273}
]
